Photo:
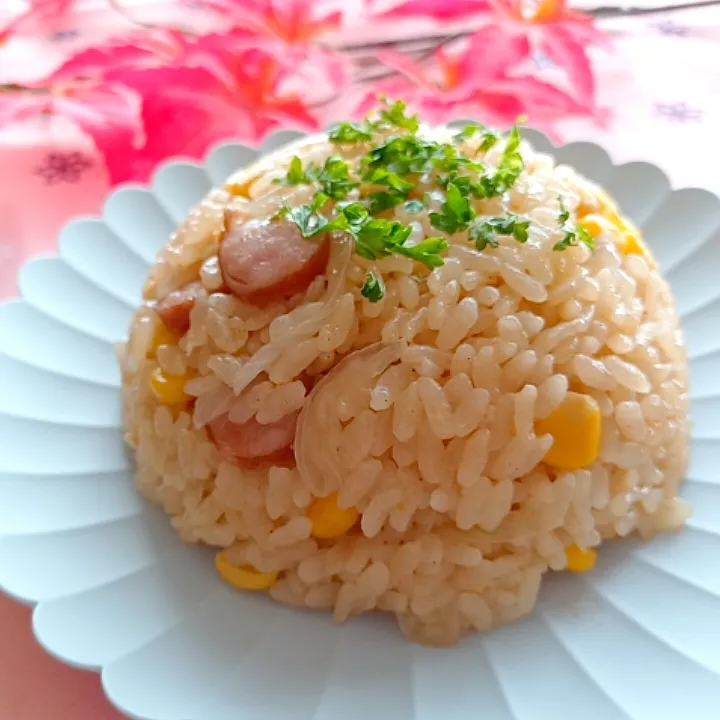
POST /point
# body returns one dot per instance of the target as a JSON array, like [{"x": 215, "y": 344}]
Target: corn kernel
[
  {"x": 588, "y": 206},
  {"x": 243, "y": 577},
  {"x": 162, "y": 336},
  {"x": 575, "y": 427},
  {"x": 329, "y": 520},
  {"x": 608, "y": 208},
  {"x": 579, "y": 560},
  {"x": 630, "y": 243},
  {"x": 169, "y": 389},
  {"x": 241, "y": 189},
  {"x": 596, "y": 225}
]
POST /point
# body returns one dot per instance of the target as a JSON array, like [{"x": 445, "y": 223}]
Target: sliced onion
[{"x": 319, "y": 431}]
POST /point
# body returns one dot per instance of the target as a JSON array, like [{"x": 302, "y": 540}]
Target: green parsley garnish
[
  {"x": 470, "y": 130},
  {"x": 427, "y": 252},
  {"x": 573, "y": 235},
  {"x": 375, "y": 238},
  {"x": 455, "y": 213},
  {"x": 306, "y": 217},
  {"x": 397, "y": 192},
  {"x": 395, "y": 115},
  {"x": 489, "y": 137},
  {"x": 564, "y": 215},
  {"x": 350, "y": 132},
  {"x": 403, "y": 155},
  {"x": 374, "y": 288},
  {"x": 488, "y": 185},
  {"x": 296, "y": 175},
  {"x": 392, "y": 115},
  {"x": 333, "y": 176},
  {"x": 484, "y": 232},
  {"x": 386, "y": 175},
  {"x": 509, "y": 168},
  {"x": 383, "y": 200},
  {"x": 381, "y": 176}
]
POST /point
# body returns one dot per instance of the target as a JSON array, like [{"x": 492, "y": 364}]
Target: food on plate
[{"x": 408, "y": 369}]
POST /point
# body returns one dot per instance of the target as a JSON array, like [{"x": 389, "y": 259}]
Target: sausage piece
[
  {"x": 174, "y": 309},
  {"x": 262, "y": 262},
  {"x": 251, "y": 444}
]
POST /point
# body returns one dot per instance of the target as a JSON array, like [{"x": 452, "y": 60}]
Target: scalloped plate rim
[{"x": 216, "y": 150}]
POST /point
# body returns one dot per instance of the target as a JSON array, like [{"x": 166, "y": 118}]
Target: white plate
[{"x": 637, "y": 639}]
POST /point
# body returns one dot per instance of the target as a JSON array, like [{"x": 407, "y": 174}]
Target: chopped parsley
[
  {"x": 469, "y": 131},
  {"x": 381, "y": 176},
  {"x": 488, "y": 184},
  {"x": 391, "y": 115},
  {"x": 402, "y": 155},
  {"x": 374, "y": 288},
  {"x": 574, "y": 237},
  {"x": 295, "y": 174},
  {"x": 306, "y": 217},
  {"x": 427, "y": 252},
  {"x": 490, "y": 137},
  {"x": 455, "y": 213},
  {"x": 509, "y": 168},
  {"x": 564, "y": 215},
  {"x": 350, "y": 132},
  {"x": 386, "y": 175},
  {"x": 572, "y": 234},
  {"x": 398, "y": 189},
  {"x": 485, "y": 232},
  {"x": 383, "y": 200},
  {"x": 333, "y": 176},
  {"x": 395, "y": 115},
  {"x": 375, "y": 238}
]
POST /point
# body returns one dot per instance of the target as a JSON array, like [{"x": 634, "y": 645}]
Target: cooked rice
[{"x": 429, "y": 432}]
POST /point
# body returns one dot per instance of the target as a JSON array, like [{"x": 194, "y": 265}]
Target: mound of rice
[{"x": 430, "y": 413}]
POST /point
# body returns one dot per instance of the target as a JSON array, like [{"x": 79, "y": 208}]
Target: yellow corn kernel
[
  {"x": 329, "y": 520},
  {"x": 575, "y": 427},
  {"x": 241, "y": 189},
  {"x": 579, "y": 560},
  {"x": 243, "y": 577},
  {"x": 608, "y": 208},
  {"x": 589, "y": 204},
  {"x": 596, "y": 225},
  {"x": 162, "y": 336},
  {"x": 169, "y": 389},
  {"x": 630, "y": 243}
]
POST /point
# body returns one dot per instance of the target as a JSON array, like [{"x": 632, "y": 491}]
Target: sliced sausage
[
  {"x": 251, "y": 444},
  {"x": 174, "y": 309},
  {"x": 266, "y": 261}
]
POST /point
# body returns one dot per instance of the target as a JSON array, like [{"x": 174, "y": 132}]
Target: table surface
[{"x": 666, "y": 110}]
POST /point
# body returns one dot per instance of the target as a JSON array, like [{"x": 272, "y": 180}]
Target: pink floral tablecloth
[{"x": 660, "y": 90}]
